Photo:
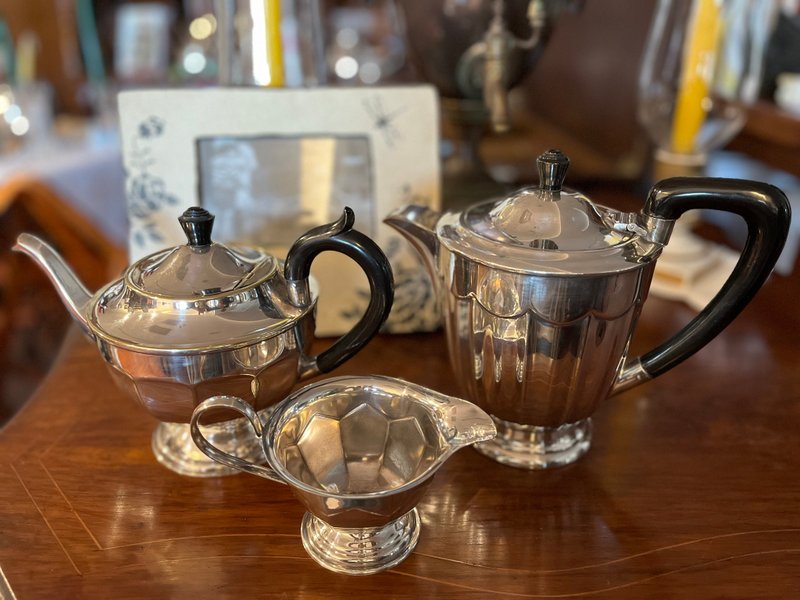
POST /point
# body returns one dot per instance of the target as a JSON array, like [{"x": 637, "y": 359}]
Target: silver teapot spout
[
  {"x": 72, "y": 292},
  {"x": 417, "y": 224}
]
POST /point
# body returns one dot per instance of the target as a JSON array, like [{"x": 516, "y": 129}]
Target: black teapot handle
[
  {"x": 340, "y": 236},
  {"x": 766, "y": 212}
]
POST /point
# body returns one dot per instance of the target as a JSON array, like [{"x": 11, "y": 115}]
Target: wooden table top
[{"x": 691, "y": 489}]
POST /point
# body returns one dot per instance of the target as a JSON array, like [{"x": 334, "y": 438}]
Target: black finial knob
[
  {"x": 552, "y": 166},
  {"x": 197, "y": 224}
]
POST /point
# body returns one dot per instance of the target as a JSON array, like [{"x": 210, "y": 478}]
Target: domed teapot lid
[
  {"x": 198, "y": 297},
  {"x": 545, "y": 229}
]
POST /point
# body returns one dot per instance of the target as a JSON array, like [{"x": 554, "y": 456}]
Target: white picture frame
[{"x": 396, "y": 129}]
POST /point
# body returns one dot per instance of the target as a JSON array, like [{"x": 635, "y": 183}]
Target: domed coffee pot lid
[
  {"x": 201, "y": 296},
  {"x": 545, "y": 229}
]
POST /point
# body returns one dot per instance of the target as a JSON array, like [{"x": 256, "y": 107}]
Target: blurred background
[
  {"x": 604, "y": 80},
  {"x": 583, "y": 83}
]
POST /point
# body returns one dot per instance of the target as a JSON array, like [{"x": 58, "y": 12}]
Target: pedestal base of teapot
[
  {"x": 174, "y": 448},
  {"x": 360, "y": 550},
  {"x": 533, "y": 447}
]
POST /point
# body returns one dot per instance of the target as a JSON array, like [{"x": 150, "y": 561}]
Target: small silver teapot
[
  {"x": 204, "y": 319},
  {"x": 540, "y": 293}
]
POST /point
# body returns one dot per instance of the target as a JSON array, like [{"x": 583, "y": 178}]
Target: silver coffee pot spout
[{"x": 417, "y": 224}]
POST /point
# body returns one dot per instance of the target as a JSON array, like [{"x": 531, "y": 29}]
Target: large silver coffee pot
[
  {"x": 204, "y": 319},
  {"x": 541, "y": 292}
]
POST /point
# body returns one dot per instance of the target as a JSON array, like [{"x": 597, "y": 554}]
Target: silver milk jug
[
  {"x": 359, "y": 453},
  {"x": 541, "y": 291}
]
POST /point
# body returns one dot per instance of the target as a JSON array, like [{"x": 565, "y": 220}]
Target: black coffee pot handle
[
  {"x": 766, "y": 212},
  {"x": 340, "y": 236}
]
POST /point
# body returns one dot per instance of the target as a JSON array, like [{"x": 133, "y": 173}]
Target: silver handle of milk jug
[
  {"x": 767, "y": 213},
  {"x": 229, "y": 460}
]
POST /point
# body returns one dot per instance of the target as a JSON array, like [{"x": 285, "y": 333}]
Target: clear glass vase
[{"x": 701, "y": 68}]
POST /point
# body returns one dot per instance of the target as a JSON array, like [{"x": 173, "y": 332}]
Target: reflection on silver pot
[
  {"x": 541, "y": 292},
  {"x": 204, "y": 319}
]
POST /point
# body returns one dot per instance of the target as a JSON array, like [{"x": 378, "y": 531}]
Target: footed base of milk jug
[
  {"x": 360, "y": 550},
  {"x": 533, "y": 447}
]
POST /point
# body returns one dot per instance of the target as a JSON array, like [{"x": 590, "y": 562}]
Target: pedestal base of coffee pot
[
  {"x": 532, "y": 447},
  {"x": 360, "y": 550},
  {"x": 174, "y": 448}
]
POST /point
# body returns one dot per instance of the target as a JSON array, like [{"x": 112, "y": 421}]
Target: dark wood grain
[
  {"x": 690, "y": 490},
  {"x": 771, "y": 135}
]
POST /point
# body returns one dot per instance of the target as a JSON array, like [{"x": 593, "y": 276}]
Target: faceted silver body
[
  {"x": 168, "y": 348},
  {"x": 170, "y": 386}
]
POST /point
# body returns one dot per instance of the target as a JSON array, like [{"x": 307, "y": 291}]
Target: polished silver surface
[
  {"x": 184, "y": 299},
  {"x": 547, "y": 230},
  {"x": 73, "y": 293},
  {"x": 540, "y": 294},
  {"x": 474, "y": 52},
  {"x": 222, "y": 299},
  {"x": 657, "y": 230},
  {"x": 495, "y": 52},
  {"x": 359, "y": 453},
  {"x": 174, "y": 448},
  {"x": 152, "y": 309},
  {"x": 538, "y": 350},
  {"x": 360, "y": 550},
  {"x": 479, "y": 50},
  {"x": 538, "y": 447},
  {"x": 169, "y": 386},
  {"x": 632, "y": 374}
]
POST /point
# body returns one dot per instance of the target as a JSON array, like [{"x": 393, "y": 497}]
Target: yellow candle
[
  {"x": 700, "y": 51},
  {"x": 27, "y": 47},
  {"x": 272, "y": 13}
]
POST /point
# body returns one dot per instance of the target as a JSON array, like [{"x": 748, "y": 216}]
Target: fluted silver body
[
  {"x": 541, "y": 292},
  {"x": 538, "y": 350}
]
